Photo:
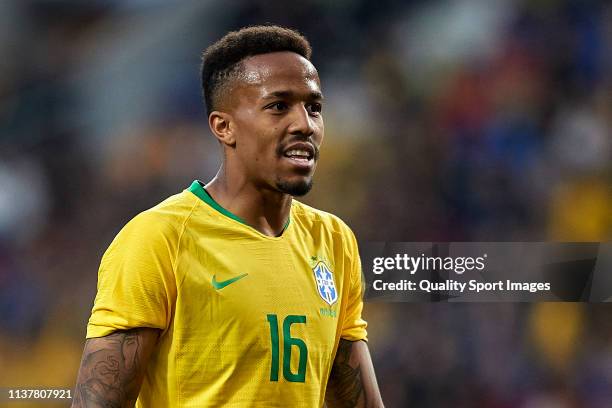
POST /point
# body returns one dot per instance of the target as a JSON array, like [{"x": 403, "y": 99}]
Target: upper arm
[
  {"x": 112, "y": 368},
  {"x": 134, "y": 303},
  {"x": 352, "y": 382}
]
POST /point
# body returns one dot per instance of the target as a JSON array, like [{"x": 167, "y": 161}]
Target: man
[{"x": 233, "y": 294}]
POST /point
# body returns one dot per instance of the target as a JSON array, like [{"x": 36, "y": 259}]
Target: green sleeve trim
[{"x": 198, "y": 189}]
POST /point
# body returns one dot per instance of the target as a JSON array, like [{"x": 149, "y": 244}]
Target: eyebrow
[{"x": 291, "y": 94}]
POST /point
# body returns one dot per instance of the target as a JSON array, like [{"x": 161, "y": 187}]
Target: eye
[
  {"x": 278, "y": 106},
  {"x": 314, "y": 108}
]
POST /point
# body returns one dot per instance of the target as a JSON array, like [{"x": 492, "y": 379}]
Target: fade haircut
[{"x": 222, "y": 61}]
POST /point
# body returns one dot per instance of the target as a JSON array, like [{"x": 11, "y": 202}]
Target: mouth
[{"x": 300, "y": 154}]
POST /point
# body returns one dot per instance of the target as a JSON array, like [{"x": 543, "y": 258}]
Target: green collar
[{"x": 198, "y": 189}]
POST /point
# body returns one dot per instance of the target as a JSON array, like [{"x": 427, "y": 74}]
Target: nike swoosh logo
[{"x": 222, "y": 284}]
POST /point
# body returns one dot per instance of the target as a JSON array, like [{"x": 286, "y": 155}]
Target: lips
[
  {"x": 300, "y": 151},
  {"x": 300, "y": 156}
]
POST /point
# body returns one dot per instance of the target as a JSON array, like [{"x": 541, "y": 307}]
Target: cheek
[
  {"x": 258, "y": 137},
  {"x": 259, "y": 149},
  {"x": 319, "y": 135}
]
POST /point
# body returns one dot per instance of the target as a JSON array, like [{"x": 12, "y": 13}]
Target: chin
[{"x": 295, "y": 188}]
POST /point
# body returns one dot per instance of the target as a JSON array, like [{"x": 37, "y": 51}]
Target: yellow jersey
[{"x": 246, "y": 319}]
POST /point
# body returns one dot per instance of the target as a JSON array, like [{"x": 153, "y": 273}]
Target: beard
[{"x": 295, "y": 188}]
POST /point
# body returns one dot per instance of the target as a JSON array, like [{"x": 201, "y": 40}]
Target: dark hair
[{"x": 221, "y": 61}]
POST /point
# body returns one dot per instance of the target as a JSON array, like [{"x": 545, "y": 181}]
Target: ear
[{"x": 222, "y": 127}]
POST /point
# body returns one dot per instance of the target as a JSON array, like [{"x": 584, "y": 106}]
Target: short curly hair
[{"x": 221, "y": 62}]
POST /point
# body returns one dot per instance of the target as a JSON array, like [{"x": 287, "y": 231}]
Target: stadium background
[{"x": 457, "y": 120}]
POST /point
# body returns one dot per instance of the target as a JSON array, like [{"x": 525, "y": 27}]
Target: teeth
[{"x": 296, "y": 152}]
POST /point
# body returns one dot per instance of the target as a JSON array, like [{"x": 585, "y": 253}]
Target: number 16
[{"x": 288, "y": 342}]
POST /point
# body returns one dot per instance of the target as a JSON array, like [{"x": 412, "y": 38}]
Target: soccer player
[{"x": 233, "y": 294}]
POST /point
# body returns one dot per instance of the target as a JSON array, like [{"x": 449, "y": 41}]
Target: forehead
[{"x": 279, "y": 71}]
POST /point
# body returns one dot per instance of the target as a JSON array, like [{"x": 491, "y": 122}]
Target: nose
[{"x": 301, "y": 122}]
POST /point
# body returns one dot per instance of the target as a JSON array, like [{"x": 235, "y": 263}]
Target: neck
[{"x": 265, "y": 210}]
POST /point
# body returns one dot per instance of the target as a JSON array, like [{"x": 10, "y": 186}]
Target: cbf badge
[{"x": 325, "y": 283}]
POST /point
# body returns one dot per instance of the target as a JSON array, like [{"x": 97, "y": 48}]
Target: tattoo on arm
[
  {"x": 345, "y": 387},
  {"x": 112, "y": 369}
]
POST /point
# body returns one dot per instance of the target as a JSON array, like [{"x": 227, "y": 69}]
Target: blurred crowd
[{"x": 456, "y": 120}]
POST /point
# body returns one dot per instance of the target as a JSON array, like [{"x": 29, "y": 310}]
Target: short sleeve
[
  {"x": 353, "y": 326},
  {"x": 136, "y": 281}
]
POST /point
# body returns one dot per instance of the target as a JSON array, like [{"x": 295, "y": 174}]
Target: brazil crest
[{"x": 325, "y": 283}]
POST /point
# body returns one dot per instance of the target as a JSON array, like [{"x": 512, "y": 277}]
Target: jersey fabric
[{"x": 246, "y": 319}]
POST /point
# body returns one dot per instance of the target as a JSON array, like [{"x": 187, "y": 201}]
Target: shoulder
[
  {"x": 174, "y": 209},
  {"x": 312, "y": 218},
  {"x": 166, "y": 219}
]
